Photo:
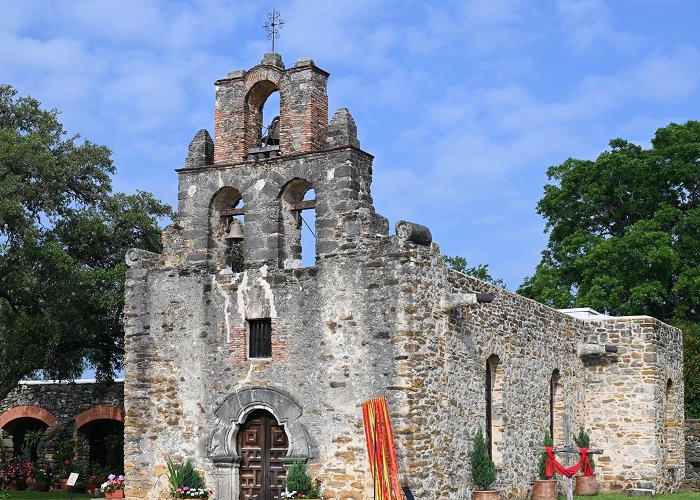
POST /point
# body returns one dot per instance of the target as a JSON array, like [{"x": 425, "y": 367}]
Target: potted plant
[
  {"x": 185, "y": 481},
  {"x": 29, "y": 470},
  {"x": 41, "y": 479},
  {"x": 299, "y": 483},
  {"x": 82, "y": 468},
  {"x": 64, "y": 455},
  {"x": 545, "y": 488},
  {"x": 113, "y": 487},
  {"x": 96, "y": 478},
  {"x": 585, "y": 485},
  {"x": 483, "y": 469},
  {"x": 30, "y": 444},
  {"x": 13, "y": 474}
]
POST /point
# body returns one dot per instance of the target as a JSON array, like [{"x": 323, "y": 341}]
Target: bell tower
[
  {"x": 251, "y": 186},
  {"x": 303, "y": 123}
]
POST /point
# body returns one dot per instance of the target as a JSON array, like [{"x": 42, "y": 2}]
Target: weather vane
[{"x": 273, "y": 25}]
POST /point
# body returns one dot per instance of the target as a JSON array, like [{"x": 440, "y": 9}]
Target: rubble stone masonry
[{"x": 375, "y": 314}]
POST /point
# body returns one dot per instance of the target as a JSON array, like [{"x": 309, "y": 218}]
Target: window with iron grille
[{"x": 260, "y": 338}]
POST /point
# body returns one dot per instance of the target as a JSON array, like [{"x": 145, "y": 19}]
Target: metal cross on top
[{"x": 273, "y": 25}]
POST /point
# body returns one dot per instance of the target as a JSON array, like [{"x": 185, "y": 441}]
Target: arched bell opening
[
  {"x": 227, "y": 229},
  {"x": 298, "y": 224},
  {"x": 270, "y": 133},
  {"x": 262, "y": 126},
  {"x": 102, "y": 441}
]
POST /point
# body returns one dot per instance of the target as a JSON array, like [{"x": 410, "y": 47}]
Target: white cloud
[{"x": 587, "y": 23}]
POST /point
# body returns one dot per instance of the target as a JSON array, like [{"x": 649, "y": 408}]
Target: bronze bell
[{"x": 235, "y": 231}]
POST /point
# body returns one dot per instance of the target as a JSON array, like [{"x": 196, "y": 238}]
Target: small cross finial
[{"x": 273, "y": 25}]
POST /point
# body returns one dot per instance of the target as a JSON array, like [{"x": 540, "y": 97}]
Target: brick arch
[
  {"x": 255, "y": 99},
  {"x": 102, "y": 412},
  {"x": 27, "y": 412}
]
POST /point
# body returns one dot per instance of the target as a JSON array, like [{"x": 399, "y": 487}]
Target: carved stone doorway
[{"x": 261, "y": 444}]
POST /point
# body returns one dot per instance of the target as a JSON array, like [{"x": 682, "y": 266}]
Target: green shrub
[
  {"x": 483, "y": 468},
  {"x": 187, "y": 476},
  {"x": 183, "y": 475},
  {"x": 298, "y": 479},
  {"x": 583, "y": 440},
  {"x": 542, "y": 463}
]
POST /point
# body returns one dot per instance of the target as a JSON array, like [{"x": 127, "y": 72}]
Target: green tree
[
  {"x": 63, "y": 236},
  {"x": 483, "y": 469},
  {"x": 481, "y": 271},
  {"x": 624, "y": 235}
]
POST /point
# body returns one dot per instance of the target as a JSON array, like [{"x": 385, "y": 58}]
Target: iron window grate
[{"x": 260, "y": 336}]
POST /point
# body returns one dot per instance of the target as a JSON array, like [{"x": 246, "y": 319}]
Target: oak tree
[
  {"x": 63, "y": 236},
  {"x": 624, "y": 235}
]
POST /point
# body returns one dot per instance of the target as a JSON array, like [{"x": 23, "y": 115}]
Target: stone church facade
[{"x": 245, "y": 367}]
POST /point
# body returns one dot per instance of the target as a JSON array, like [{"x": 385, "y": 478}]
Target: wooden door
[{"x": 262, "y": 443}]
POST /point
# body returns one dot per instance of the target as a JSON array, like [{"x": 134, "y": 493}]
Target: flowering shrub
[
  {"x": 113, "y": 483},
  {"x": 300, "y": 482},
  {"x": 65, "y": 468},
  {"x": 187, "y": 492},
  {"x": 13, "y": 471}
]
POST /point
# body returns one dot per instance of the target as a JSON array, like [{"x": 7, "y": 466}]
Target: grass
[
  {"x": 38, "y": 495},
  {"x": 673, "y": 496}
]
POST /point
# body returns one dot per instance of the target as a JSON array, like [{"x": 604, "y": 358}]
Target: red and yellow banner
[{"x": 381, "y": 451}]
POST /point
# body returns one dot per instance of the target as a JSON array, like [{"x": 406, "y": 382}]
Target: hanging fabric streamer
[
  {"x": 553, "y": 465},
  {"x": 381, "y": 451}
]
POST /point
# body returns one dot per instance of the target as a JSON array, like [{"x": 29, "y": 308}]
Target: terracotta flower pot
[
  {"x": 586, "y": 485},
  {"x": 545, "y": 489},
  {"x": 487, "y": 495},
  {"x": 14, "y": 485},
  {"x": 64, "y": 486},
  {"x": 41, "y": 485},
  {"x": 115, "y": 494}
]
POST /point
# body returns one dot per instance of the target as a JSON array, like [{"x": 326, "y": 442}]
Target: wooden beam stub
[
  {"x": 232, "y": 211},
  {"x": 303, "y": 205}
]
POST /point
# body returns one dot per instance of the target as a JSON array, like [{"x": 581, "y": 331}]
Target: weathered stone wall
[
  {"x": 629, "y": 409},
  {"x": 692, "y": 455},
  {"x": 518, "y": 331},
  {"x": 64, "y": 402},
  {"x": 376, "y": 315}
]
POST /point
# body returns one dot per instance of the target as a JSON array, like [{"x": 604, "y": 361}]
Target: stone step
[{"x": 641, "y": 492}]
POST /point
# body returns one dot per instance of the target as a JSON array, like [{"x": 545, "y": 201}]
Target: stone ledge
[{"x": 641, "y": 492}]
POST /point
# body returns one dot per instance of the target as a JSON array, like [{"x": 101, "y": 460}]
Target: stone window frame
[
  {"x": 671, "y": 426},
  {"x": 249, "y": 340},
  {"x": 556, "y": 407},
  {"x": 494, "y": 406}
]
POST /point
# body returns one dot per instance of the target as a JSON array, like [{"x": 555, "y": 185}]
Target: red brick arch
[
  {"x": 27, "y": 412},
  {"x": 102, "y": 412}
]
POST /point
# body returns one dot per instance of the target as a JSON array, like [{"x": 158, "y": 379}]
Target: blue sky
[{"x": 463, "y": 103}]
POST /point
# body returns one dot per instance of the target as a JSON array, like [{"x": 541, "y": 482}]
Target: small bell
[{"x": 235, "y": 231}]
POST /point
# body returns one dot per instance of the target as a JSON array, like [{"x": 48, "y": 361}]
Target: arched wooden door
[{"x": 261, "y": 444}]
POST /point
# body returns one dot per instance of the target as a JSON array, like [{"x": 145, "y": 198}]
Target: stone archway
[
  {"x": 100, "y": 434},
  {"x": 232, "y": 413},
  {"x": 18, "y": 421}
]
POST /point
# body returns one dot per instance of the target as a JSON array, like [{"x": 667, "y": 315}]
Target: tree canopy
[
  {"x": 480, "y": 271},
  {"x": 624, "y": 233},
  {"x": 63, "y": 236}
]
